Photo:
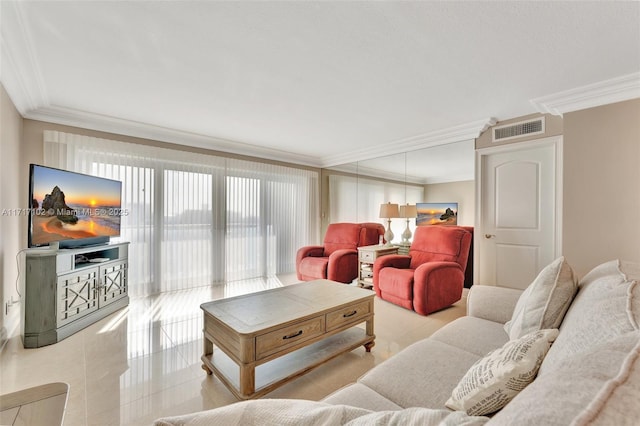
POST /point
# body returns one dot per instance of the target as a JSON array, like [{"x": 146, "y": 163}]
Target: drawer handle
[
  {"x": 291, "y": 336},
  {"x": 350, "y": 314}
]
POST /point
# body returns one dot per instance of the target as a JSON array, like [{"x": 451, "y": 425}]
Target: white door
[{"x": 519, "y": 210}]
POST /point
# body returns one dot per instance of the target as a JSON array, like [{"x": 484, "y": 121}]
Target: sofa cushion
[
  {"x": 473, "y": 335},
  {"x": 495, "y": 379},
  {"x": 545, "y": 301},
  {"x": 599, "y": 387},
  {"x": 421, "y": 375},
  {"x": 398, "y": 282},
  {"x": 492, "y": 303},
  {"x": 361, "y": 396},
  {"x": 607, "y": 305}
]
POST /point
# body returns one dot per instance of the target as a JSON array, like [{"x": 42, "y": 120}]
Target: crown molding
[
  {"x": 355, "y": 169},
  {"x": 426, "y": 140},
  {"x": 105, "y": 123},
  {"x": 384, "y": 174},
  {"x": 605, "y": 92},
  {"x": 463, "y": 177},
  {"x": 20, "y": 72}
]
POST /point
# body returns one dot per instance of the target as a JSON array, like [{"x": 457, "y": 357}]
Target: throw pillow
[
  {"x": 543, "y": 304},
  {"x": 497, "y": 378}
]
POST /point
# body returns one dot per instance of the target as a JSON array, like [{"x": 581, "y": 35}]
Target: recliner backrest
[
  {"x": 351, "y": 236},
  {"x": 440, "y": 243},
  {"x": 341, "y": 236},
  {"x": 370, "y": 234}
]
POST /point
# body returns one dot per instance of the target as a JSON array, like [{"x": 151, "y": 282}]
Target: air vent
[{"x": 518, "y": 130}]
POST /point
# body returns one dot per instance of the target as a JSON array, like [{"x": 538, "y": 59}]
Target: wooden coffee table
[{"x": 268, "y": 338}]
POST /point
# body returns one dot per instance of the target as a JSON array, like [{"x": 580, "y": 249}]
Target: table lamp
[
  {"x": 388, "y": 211},
  {"x": 408, "y": 211}
]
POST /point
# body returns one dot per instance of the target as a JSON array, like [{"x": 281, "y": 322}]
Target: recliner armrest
[
  {"x": 310, "y": 251},
  {"x": 307, "y": 251},
  {"x": 436, "y": 285},
  {"x": 423, "y": 271},
  {"x": 401, "y": 261},
  {"x": 341, "y": 253},
  {"x": 343, "y": 265},
  {"x": 492, "y": 303}
]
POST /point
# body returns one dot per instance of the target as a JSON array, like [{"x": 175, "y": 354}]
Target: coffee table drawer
[
  {"x": 347, "y": 315},
  {"x": 275, "y": 341}
]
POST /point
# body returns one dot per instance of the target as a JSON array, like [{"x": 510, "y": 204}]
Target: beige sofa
[{"x": 590, "y": 375}]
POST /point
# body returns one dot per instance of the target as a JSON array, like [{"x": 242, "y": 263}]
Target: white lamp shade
[
  {"x": 408, "y": 211},
  {"x": 389, "y": 210}
]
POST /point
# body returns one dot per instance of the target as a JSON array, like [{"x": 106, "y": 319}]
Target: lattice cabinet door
[
  {"x": 77, "y": 295},
  {"x": 113, "y": 282}
]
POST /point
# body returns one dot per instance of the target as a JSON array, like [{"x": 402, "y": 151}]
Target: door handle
[{"x": 489, "y": 236}]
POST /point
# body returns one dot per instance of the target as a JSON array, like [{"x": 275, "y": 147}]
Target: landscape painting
[{"x": 437, "y": 214}]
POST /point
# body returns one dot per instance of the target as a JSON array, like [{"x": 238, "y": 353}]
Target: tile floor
[{"x": 143, "y": 362}]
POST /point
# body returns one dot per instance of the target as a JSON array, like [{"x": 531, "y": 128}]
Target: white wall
[
  {"x": 462, "y": 193},
  {"x": 601, "y": 219},
  {"x": 601, "y": 182},
  {"x": 13, "y": 195}
]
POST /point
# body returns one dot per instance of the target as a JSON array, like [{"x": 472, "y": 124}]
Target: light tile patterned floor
[{"x": 143, "y": 362}]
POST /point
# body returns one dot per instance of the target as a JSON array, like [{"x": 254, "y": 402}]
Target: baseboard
[
  {"x": 4, "y": 338},
  {"x": 7, "y": 334}
]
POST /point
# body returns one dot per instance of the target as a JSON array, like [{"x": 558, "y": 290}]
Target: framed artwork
[{"x": 437, "y": 214}]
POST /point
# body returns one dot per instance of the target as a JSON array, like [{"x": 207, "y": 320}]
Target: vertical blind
[
  {"x": 193, "y": 219},
  {"x": 365, "y": 207}
]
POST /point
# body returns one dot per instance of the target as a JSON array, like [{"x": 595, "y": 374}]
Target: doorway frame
[{"x": 557, "y": 143}]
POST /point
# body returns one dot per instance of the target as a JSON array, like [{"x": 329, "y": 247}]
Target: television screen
[{"x": 68, "y": 206}]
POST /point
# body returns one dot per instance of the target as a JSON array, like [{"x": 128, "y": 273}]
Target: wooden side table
[
  {"x": 403, "y": 248},
  {"x": 367, "y": 255}
]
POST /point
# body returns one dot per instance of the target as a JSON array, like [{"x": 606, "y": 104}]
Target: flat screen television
[{"x": 71, "y": 208}]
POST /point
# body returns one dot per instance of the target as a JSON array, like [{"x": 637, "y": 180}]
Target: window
[
  {"x": 193, "y": 219},
  {"x": 365, "y": 207}
]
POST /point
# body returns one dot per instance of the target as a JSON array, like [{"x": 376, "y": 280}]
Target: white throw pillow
[
  {"x": 543, "y": 304},
  {"x": 497, "y": 378}
]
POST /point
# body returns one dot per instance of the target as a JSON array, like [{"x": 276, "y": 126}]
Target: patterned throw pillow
[{"x": 497, "y": 378}]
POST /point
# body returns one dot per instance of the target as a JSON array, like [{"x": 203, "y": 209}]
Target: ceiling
[{"x": 318, "y": 83}]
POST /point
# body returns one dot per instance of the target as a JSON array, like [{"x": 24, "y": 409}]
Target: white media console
[{"x": 67, "y": 290}]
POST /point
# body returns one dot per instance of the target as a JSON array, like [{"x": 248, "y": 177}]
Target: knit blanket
[{"x": 294, "y": 412}]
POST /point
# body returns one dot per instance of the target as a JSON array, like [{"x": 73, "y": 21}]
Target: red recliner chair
[
  {"x": 337, "y": 258},
  {"x": 432, "y": 276}
]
